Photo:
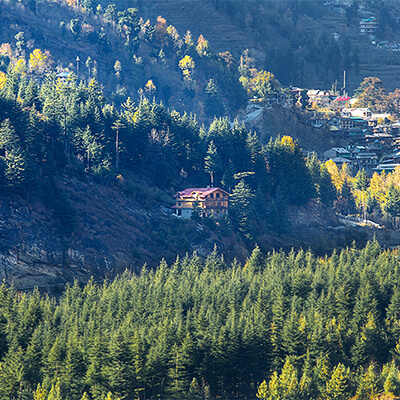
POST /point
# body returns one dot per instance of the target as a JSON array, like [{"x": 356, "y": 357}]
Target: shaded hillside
[
  {"x": 123, "y": 225},
  {"x": 126, "y": 224},
  {"x": 86, "y": 190},
  {"x": 141, "y": 58},
  {"x": 294, "y": 39}
]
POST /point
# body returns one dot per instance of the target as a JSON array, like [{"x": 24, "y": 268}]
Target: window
[
  {"x": 211, "y": 195},
  {"x": 217, "y": 195}
]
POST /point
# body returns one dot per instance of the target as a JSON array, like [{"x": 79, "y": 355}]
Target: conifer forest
[
  {"x": 282, "y": 326},
  {"x": 112, "y": 113}
]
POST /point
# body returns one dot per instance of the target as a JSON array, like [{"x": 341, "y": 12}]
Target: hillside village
[{"x": 373, "y": 138}]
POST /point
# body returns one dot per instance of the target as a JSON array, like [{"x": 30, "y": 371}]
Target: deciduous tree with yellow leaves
[{"x": 38, "y": 61}]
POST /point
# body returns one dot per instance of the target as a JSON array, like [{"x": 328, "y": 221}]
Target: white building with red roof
[{"x": 210, "y": 201}]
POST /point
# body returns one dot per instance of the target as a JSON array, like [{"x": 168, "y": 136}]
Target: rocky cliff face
[{"x": 34, "y": 253}]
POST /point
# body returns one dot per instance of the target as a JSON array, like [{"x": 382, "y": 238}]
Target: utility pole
[
  {"x": 117, "y": 125},
  {"x": 344, "y": 83},
  {"x": 77, "y": 65}
]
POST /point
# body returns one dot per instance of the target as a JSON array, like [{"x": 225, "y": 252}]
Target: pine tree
[
  {"x": 18, "y": 172},
  {"x": 369, "y": 343},
  {"x": 291, "y": 336},
  {"x": 12, "y": 383},
  {"x": 75, "y": 367},
  {"x": 34, "y": 362},
  {"x": 9, "y": 140},
  {"x": 228, "y": 180},
  {"x": 55, "y": 392},
  {"x": 212, "y": 163},
  {"x": 338, "y": 387},
  {"x": 255, "y": 263},
  {"x": 392, "y": 382},
  {"x": 392, "y": 202},
  {"x": 85, "y": 396},
  {"x": 178, "y": 384},
  {"x": 241, "y": 210},
  {"x": 369, "y": 385},
  {"x": 274, "y": 388},
  {"x": 288, "y": 381},
  {"x": 139, "y": 360},
  {"x": 120, "y": 369},
  {"x": 195, "y": 391},
  {"x": 95, "y": 376},
  {"x": 262, "y": 392},
  {"x": 213, "y": 103},
  {"x": 327, "y": 192},
  {"x": 40, "y": 393}
]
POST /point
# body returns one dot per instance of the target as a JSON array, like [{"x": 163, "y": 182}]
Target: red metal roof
[
  {"x": 342, "y": 98},
  {"x": 201, "y": 191}
]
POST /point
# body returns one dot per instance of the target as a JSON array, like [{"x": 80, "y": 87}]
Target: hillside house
[
  {"x": 317, "y": 122},
  {"x": 386, "y": 167},
  {"x": 348, "y": 124},
  {"x": 393, "y": 158},
  {"x": 336, "y": 152},
  {"x": 366, "y": 161},
  {"x": 368, "y": 25},
  {"x": 357, "y": 112},
  {"x": 340, "y": 161},
  {"x": 323, "y": 98},
  {"x": 210, "y": 201},
  {"x": 389, "y": 46}
]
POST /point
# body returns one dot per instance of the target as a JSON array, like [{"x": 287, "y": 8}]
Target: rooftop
[{"x": 202, "y": 192}]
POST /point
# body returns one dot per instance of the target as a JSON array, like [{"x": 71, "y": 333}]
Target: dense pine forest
[
  {"x": 147, "y": 111},
  {"x": 312, "y": 328},
  {"x": 68, "y": 127}
]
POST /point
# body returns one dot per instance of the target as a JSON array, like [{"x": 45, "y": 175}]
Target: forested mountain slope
[
  {"x": 129, "y": 55},
  {"x": 87, "y": 188},
  {"x": 90, "y": 160},
  {"x": 310, "y": 327}
]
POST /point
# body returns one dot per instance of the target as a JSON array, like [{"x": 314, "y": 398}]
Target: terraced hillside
[
  {"x": 200, "y": 18},
  {"x": 223, "y": 33}
]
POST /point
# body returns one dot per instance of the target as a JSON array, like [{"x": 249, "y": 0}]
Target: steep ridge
[{"x": 200, "y": 18}]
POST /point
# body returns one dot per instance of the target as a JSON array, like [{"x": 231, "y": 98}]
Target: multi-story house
[
  {"x": 368, "y": 25},
  {"x": 209, "y": 202}
]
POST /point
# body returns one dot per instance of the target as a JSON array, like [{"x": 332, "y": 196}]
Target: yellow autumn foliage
[
  {"x": 150, "y": 87},
  {"x": 20, "y": 67},
  {"x": 339, "y": 177},
  {"x": 287, "y": 141},
  {"x": 187, "y": 65},
  {"x": 37, "y": 60},
  {"x": 3, "y": 78}
]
